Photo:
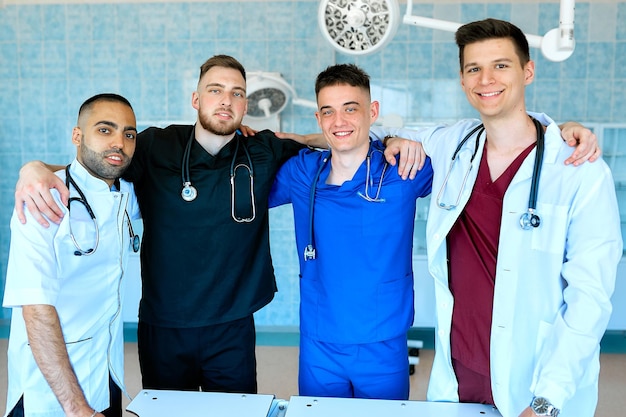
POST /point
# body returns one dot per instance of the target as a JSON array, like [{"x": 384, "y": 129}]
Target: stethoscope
[
  {"x": 189, "y": 192},
  {"x": 528, "y": 219},
  {"x": 309, "y": 250},
  {"x": 83, "y": 200}
]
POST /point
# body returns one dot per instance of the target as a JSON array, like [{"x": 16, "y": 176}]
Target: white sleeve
[{"x": 416, "y": 135}]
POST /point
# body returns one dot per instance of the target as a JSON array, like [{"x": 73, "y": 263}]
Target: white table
[
  {"x": 342, "y": 407},
  {"x": 163, "y": 403}
]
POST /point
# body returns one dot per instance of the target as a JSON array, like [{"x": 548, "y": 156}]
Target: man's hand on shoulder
[
  {"x": 33, "y": 191},
  {"x": 412, "y": 156}
]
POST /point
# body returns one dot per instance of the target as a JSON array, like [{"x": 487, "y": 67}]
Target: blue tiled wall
[{"x": 52, "y": 57}]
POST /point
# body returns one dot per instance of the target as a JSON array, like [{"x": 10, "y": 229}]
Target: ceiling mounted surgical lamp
[
  {"x": 269, "y": 93},
  {"x": 362, "y": 27}
]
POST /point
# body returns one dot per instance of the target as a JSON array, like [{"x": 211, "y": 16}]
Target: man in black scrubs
[{"x": 206, "y": 265}]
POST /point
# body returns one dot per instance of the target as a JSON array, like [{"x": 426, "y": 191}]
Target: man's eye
[
  {"x": 104, "y": 130},
  {"x": 131, "y": 136}
]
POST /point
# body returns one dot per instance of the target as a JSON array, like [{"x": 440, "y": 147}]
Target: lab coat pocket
[
  {"x": 82, "y": 358},
  {"x": 38, "y": 396},
  {"x": 551, "y": 234}
]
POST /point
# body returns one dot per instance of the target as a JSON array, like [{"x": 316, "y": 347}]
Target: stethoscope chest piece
[
  {"x": 189, "y": 192},
  {"x": 529, "y": 219}
]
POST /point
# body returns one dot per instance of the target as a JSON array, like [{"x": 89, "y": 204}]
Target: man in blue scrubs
[{"x": 355, "y": 240}]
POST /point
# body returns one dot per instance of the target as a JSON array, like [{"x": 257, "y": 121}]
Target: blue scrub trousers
[{"x": 372, "y": 370}]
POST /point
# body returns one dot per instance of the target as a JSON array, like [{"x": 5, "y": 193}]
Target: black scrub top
[{"x": 199, "y": 267}]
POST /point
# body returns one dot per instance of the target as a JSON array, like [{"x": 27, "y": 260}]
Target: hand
[
  {"x": 528, "y": 412},
  {"x": 412, "y": 156},
  {"x": 247, "y": 131},
  {"x": 585, "y": 141},
  {"x": 33, "y": 190}
]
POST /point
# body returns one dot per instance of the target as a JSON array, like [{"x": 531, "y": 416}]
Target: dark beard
[
  {"x": 220, "y": 129},
  {"x": 95, "y": 164}
]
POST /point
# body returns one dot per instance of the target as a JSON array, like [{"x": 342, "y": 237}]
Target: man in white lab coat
[
  {"x": 64, "y": 283},
  {"x": 522, "y": 301}
]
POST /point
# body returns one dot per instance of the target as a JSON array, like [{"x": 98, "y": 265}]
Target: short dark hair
[
  {"x": 111, "y": 97},
  {"x": 339, "y": 74},
  {"x": 492, "y": 29},
  {"x": 225, "y": 61}
]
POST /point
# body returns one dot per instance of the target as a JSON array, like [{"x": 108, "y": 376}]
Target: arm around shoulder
[{"x": 33, "y": 191}]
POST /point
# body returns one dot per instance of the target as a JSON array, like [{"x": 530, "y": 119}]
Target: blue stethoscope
[
  {"x": 309, "y": 250},
  {"x": 528, "y": 219},
  {"x": 189, "y": 192},
  {"x": 134, "y": 239}
]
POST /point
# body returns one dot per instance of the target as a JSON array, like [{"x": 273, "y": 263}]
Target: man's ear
[
  {"x": 77, "y": 136},
  {"x": 195, "y": 99},
  {"x": 374, "y": 111},
  {"x": 529, "y": 71}
]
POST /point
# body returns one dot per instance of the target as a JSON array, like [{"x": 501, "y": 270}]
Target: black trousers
[
  {"x": 219, "y": 358},
  {"x": 115, "y": 398}
]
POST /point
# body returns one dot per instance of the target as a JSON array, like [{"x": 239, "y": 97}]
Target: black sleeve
[
  {"x": 283, "y": 148},
  {"x": 142, "y": 150}
]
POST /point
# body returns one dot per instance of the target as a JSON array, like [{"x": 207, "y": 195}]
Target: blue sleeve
[
  {"x": 281, "y": 189},
  {"x": 423, "y": 181}
]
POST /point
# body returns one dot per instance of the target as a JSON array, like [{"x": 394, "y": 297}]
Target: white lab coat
[
  {"x": 553, "y": 283},
  {"x": 87, "y": 292}
]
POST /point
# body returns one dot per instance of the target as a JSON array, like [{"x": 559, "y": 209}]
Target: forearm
[
  {"x": 49, "y": 167},
  {"x": 48, "y": 346},
  {"x": 380, "y": 132},
  {"x": 315, "y": 140}
]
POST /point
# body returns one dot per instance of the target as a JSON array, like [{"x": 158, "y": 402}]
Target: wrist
[
  {"x": 543, "y": 407},
  {"x": 387, "y": 138}
]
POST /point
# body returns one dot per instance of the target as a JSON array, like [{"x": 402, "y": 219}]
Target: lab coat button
[{"x": 436, "y": 236}]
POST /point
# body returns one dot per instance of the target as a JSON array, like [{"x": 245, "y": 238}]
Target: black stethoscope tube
[
  {"x": 528, "y": 219},
  {"x": 189, "y": 192},
  {"x": 83, "y": 200},
  {"x": 134, "y": 239}
]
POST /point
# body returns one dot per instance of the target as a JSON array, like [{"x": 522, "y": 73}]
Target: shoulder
[
  {"x": 268, "y": 138},
  {"x": 307, "y": 160},
  {"x": 266, "y": 142},
  {"x": 171, "y": 131},
  {"x": 557, "y": 151},
  {"x": 443, "y": 137}
]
